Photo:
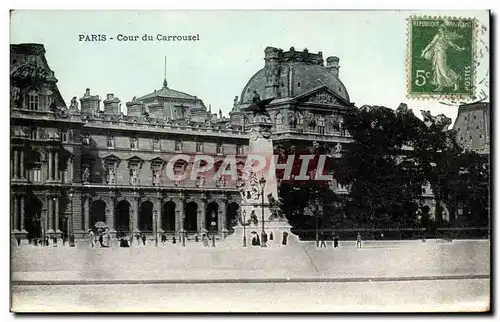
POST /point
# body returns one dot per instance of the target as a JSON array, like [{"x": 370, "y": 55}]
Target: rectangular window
[
  {"x": 111, "y": 142},
  {"x": 156, "y": 144},
  {"x": 199, "y": 147},
  {"x": 33, "y": 133},
  {"x": 36, "y": 174},
  {"x": 134, "y": 143},
  {"x": 178, "y": 146},
  {"x": 33, "y": 101},
  {"x": 219, "y": 148}
]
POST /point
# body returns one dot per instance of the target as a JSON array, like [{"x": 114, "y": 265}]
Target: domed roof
[{"x": 304, "y": 77}]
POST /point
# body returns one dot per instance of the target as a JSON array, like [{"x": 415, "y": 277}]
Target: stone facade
[{"x": 75, "y": 166}]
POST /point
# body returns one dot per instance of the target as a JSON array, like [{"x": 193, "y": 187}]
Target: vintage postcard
[{"x": 250, "y": 161}]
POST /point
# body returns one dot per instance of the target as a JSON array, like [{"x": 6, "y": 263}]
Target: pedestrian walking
[
  {"x": 358, "y": 241},
  {"x": 18, "y": 241},
  {"x": 322, "y": 240},
  {"x": 336, "y": 241},
  {"x": 101, "y": 240},
  {"x": 285, "y": 237},
  {"x": 144, "y": 239},
  {"x": 163, "y": 239}
]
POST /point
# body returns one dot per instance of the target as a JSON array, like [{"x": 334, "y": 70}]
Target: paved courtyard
[
  {"x": 382, "y": 276},
  {"x": 173, "y": 262}
]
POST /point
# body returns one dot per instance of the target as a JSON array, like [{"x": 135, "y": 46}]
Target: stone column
[
  {"x": 16, "y": 213},
  {"x": 70, "y": 170},
  {"x": 16, "y": 165},
  {"x": 179, "y": 215},
  {"x": 222, "y": 218},
  {"x": 86, "y": 216},
  {"x": 158, "y": 207},
  {"x": 111, "y": 222},
  {"x": 50, "y": 215},
  {"x": 56, "y": 166},
  {"x": 201, "y": 216},
  {"x": 21, "y": 219},
  {"x": 21, "y": 164},
  {"x": 56, "y": 216},
  {"x": 136, "y": 214},
  {"x": 49, "y": 177},
  {"x": 12, "y": 214}
]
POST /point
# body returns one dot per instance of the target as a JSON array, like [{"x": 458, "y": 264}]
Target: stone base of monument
[{"x": 279, "y": 228}]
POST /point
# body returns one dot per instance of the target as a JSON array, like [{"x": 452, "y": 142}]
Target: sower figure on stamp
[{"x": 436, "y": 52}]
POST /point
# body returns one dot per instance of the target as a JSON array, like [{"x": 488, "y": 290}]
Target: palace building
[{"x": 74, "y": 166}]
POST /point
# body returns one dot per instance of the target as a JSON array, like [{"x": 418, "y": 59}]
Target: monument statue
[{"x": 258, "y": 107}]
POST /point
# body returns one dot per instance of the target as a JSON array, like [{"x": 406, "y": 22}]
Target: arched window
[
  {"x": 33, "y": 100},
  {"x": 279, "y": 121}
]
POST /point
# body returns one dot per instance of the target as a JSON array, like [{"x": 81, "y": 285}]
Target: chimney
[
  {"x": 332, "y": 64},
  {"x": 89, "y": 103},
  {"x": 111, "y": 105}
]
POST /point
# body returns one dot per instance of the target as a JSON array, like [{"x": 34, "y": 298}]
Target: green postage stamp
[{"x": 440, "y": 57}]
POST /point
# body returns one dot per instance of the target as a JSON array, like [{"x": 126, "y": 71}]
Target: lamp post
[
  {"x": 70, "y": 220},
  {"x": 244, "y": 228},
  {"x": 155, "y": 217},
  {"x": 263, "y": 236}
]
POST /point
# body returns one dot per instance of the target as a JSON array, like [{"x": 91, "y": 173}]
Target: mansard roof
[{"x": 167, "y": 92}]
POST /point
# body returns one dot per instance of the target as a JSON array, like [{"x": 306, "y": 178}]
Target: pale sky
[{"x": 371, "y": 46}]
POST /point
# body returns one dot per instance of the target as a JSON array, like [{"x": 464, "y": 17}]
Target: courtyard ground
[{"x": 453, "y": 275}]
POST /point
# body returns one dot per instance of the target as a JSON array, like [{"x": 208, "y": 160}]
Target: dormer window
[{"x": 33, "y": 100}]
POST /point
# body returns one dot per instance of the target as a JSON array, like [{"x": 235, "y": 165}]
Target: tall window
[
  {"x": 321, "y": 125},
  {"x": 199, "y": 147},
  {"x": 219, "y": 148},
  {"x": 134, "y": 143},
  {"x": 239, "y": 149},
  {"x": 35, "y": 172},
  {"x": 111, "y": 142},
  {"x": 300, "y": 123},
  {"x": 33, "y": 133},
  {"x": 156, "y": 144},
  {"x": 64, "y": 135},
  {"x": 33, "y": 100},
  {"x": 279, "y": 122},
  {"x": 178, "y": 146}
]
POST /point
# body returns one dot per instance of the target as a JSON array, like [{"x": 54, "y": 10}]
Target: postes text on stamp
[{"x": 440, "y": 57}]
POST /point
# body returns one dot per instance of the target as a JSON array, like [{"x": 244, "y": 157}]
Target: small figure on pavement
[
  {"x": 285, "y": 237},
  {"x": 358, "y": 241},
  {"x": 336, "y": 241},
  {"x": 322, "y": 240},
  {"x": 173, "y": 240},
  {"x": 18, "y": 241},
  {"x": 163, "y": 239},
  {"x": 144, "y": 239},
  {"x": 271, "y": 237}
]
